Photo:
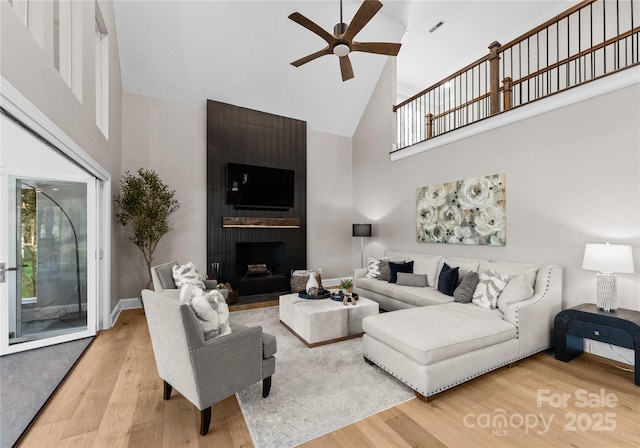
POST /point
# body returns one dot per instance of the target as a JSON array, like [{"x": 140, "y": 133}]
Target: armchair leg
[
  {"x": 167, "y": 390},
  {"x": 205, "y": 420},
  {"x": 266, "y": 387}
]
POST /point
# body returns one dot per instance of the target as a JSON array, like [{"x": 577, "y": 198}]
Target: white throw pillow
[
  {"x": 211, "y": 310},
  {"x": 187, "y": 274},
  {"x": 518, "y": 289},
  {"x": 373, "y": 268},
  {"x": 489, "y": 288}
]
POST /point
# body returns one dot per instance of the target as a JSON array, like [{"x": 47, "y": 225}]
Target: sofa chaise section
[{"x": 434, "y": 348}]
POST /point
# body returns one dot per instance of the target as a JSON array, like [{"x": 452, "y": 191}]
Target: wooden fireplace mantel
[{"x": 263, "y": 223}]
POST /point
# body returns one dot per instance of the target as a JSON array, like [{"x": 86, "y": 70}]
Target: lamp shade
[
  {"x": 608, "y": 258},
  {"x": 362, "y": 230}
]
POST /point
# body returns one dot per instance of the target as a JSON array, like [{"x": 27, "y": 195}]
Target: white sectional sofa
[{"x": 432, "y": 343}]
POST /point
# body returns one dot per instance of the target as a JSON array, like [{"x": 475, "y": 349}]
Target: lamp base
[{"x": 606, "y": 291}]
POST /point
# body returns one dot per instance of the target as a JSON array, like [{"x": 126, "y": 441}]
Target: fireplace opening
[{"x": 259, "y": 268}]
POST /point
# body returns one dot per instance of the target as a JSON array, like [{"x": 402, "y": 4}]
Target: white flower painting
[{"x": 471, "y": 211}]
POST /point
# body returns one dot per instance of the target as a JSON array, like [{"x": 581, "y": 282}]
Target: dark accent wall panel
[{"x": 239, "y": 135}]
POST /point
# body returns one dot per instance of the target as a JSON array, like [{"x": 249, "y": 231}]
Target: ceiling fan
[{"x": 341, "y": 42}]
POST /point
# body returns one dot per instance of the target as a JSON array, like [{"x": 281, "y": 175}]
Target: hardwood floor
[{"x": 113, "y": 398}]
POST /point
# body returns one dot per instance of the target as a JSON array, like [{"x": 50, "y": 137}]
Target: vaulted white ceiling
[{"x": 239, "y": 52}]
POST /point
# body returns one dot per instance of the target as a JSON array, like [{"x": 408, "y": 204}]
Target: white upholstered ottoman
[{"x": 319, "y": 322}]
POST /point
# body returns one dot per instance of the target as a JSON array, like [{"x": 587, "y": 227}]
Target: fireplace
[{"x": 259, "y": 268}]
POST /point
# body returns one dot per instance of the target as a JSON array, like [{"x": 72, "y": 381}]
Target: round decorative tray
[{"x": 322, "y": 294}]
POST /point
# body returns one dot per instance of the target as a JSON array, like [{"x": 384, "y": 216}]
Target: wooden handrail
[
  {"x": 462, "y": 106},
  {"x": 443, "y": 81},
  {"x": 547, "y": 24},
  {"x": 565, "y": 61}
]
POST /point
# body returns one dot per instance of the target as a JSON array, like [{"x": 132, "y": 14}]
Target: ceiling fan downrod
[
  {"x": 341, "y": 27},
  {"x": 341, "y": 49}
]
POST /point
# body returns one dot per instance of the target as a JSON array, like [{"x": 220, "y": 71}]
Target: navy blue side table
[{"x": 620, "y": 327}]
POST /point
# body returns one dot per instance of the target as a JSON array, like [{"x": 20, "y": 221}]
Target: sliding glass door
[{"x": 47, "y": 245}]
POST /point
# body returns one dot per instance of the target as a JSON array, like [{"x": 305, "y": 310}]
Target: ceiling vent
[{"x": 436, "y": 26}]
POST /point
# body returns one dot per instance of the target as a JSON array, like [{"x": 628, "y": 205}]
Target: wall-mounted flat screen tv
[{"x": 259, "y": 187}]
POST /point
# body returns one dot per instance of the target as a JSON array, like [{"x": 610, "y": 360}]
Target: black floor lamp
[{"x": 362, "y": 230}]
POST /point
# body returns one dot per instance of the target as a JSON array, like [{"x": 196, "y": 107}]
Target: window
[
  {"x": 67, "y": 43},
  {"x": 32, "y": 16},
  {"x": 21, "y": 8},
  {"x": 102, "y": 73}
]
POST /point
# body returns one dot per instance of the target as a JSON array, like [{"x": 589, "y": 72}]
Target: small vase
[{"x": 312, "y": 285}]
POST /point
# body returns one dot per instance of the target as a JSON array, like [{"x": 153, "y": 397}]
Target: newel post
[
  {"x": 428, "y": 124},
  {"x": 506, "y": 88},
  {"x": 494, "y": 78}
]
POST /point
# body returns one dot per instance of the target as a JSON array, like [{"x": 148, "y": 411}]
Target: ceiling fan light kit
[
  {"x": 341, "y": 42},
  {"x": 341, "y": 50}
]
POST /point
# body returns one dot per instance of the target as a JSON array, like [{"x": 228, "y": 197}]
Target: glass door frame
[
  {"x": 18, "y": 108},
  {"x": 7, "y": 252}
]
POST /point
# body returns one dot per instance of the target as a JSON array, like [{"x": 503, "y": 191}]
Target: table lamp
[
  {"x": 362, "y": 230},
  {"x": 607, "y": 259}
]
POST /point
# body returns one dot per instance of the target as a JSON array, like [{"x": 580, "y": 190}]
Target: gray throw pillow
[
  {"x": 406, "y": 279},
  {"x": 464, "y": 292},
  {"x": 385, "y": 270}
]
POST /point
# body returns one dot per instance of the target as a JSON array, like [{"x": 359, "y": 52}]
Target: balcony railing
[{"x": 595, "y": 38}]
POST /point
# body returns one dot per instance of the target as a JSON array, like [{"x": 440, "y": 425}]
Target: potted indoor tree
[{"x": 145, "y": 203}]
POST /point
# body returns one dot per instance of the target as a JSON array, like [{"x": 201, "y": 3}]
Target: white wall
[
  {"x": 29, "y": 68},
  {"x": 171, "y": 139},
  {"x": 573, "y": 177},
  {"x": 329, "y": 204}
]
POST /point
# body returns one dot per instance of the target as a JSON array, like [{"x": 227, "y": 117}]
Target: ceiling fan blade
[
  {"x": 313, "y": 27},
  {"x": 388, "y": 48},
  {"x": 366, "y": 12},
  {"x": 312, "y": 56},
  {"x": 345, "y": 68}
]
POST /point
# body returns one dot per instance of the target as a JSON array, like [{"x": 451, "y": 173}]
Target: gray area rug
[
  {"x": 27, "y": 380},
  {"x": 315, "y": 390}
]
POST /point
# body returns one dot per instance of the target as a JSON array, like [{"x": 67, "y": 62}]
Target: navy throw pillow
[
  {"x": 448, "y": 280},
  {"x": 399, "y": 267}
]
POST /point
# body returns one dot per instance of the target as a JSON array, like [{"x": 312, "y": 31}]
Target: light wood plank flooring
[{"x": 113, "y": 398}]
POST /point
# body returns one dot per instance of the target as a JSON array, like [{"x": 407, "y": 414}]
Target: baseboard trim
[{"x": 124, "y": 304}]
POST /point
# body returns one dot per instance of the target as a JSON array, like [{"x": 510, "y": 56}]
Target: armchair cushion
[
  {"x": 269, "y": 345},
  {"x": 163, "y": 276}
]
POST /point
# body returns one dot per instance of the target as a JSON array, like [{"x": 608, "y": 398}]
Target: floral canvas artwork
[{"x": 471, "y": 211}]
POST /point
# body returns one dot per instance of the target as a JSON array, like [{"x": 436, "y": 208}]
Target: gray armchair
[
  {"x": 162, "y": 276},
  {"x": 205, "y": 371}
]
